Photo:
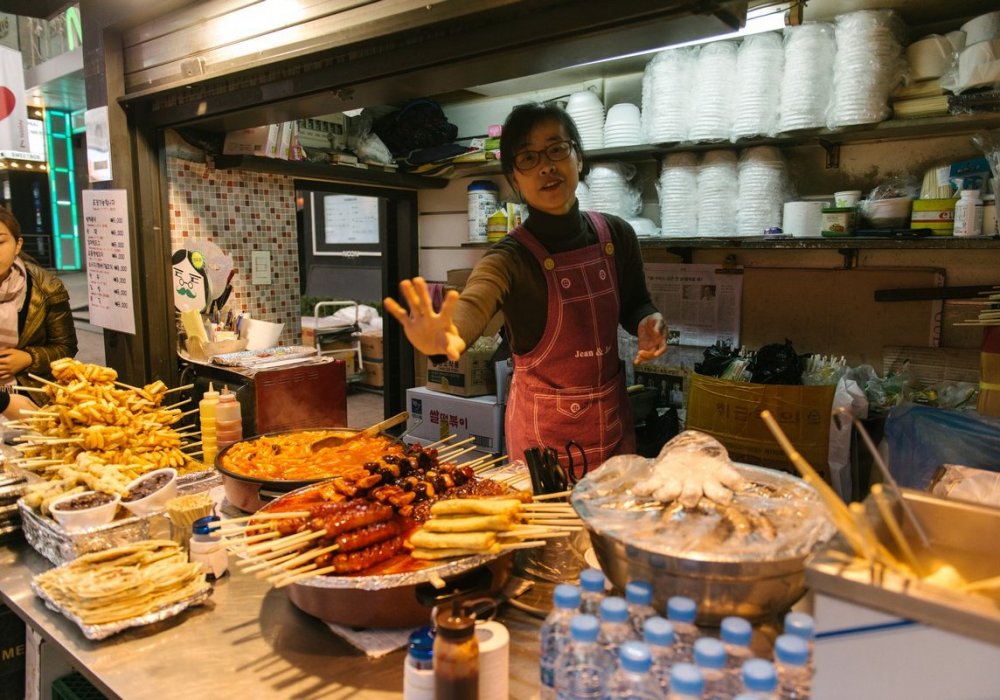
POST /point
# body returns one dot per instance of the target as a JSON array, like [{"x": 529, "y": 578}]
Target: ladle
[{"x": 338, "y": 440}]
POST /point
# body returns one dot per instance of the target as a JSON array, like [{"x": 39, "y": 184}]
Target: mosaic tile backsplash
[{"x": 241, "y": 212}]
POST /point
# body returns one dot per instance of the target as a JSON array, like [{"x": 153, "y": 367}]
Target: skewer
[
  {"x": 547, "y": 506},
  {"x": 882, "y": 503},
  {"x": 250, "y": 539},
  {"x": 39, "y": 412},
  {"x": 190, "y": 444},
  {"x": 293, "y": 579},
  {"x": 523, "y": 545},
  {"x": 440, "y": 442},
  {"x": 306, "y": 556},
  {"x": 21, "y": 387},
  {"x": 264, "y": 516},
  {"x": 284, "y": 544},
  {"x": 176, "y": 405},
  {"x": 257, "y": 564},
  {"x": 43, "y": 380},
  {"x": 123, "y": 385},
  {"x": 186, "y": 413},
  {"x": 540, "y": 532},
  {"x": 551, "y": 496},
  {"x": 179, "y": 388},
  {"x": 452, "y": 456},
  {"x": 452, "y": 445},
  {"x": 550, "y": 521},
  {"x": 485, "y": 465}
]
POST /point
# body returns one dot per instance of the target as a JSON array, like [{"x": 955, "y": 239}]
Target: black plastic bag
[
  {"x": 776, "y": 363},
  {"x": 716, "y": 359},
  {"x": 419, "y": 124}
]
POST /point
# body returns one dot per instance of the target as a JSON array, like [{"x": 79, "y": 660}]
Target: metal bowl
[{"x": 756, "y": 588}]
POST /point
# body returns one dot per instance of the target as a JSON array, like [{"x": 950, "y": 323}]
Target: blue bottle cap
[
  {"x": 482, "y": 185},
  {"x": 658, "y": 631},
  {"x": 202, "y": 526},
  {"x": 635, "y": 656},
  {"x": 583, "y": 628},
  {"x": 567, "y": 596},
  {"x": 614, "y": 609},
  {"x": 681, "y": 609},
  {"x": 747, "y": 696},
  {"x": 791, "y": 650},
  {"x": 759, "y": 676},
  {"x": 686, "y": 679},
  {"x": 421, "y": 644},
  {"x": 638, "y": 593},
  {"x": 800, "y": 625},
  {"x": 592, "y": 580},
  {"x": 709, "y": 653},
  {"x": 736, "y": 631}
]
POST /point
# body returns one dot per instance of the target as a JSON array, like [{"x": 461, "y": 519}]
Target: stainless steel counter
[{"x": 249, "y": 641}]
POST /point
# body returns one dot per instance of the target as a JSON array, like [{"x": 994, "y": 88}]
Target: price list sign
[{"x": 109, "y": 275}]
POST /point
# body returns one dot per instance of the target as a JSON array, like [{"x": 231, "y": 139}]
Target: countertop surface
[{"x": 248, "y": 640}]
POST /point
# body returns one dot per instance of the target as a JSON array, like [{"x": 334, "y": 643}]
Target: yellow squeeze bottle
[{"x": 206, "y": 414}]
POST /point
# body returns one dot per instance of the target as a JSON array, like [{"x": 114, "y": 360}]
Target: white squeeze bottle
[
  {"x": 710, "y": 656},
  {"x": 791, "y": 661},
  {"x": 639, "y": 596},
  {"x": 686, "y": 682},
  {"x": 554, "y": 635},
  {"x": 658, "y": 634},
  {"x": 633, "y": 680},
  {"x": 681, "y": 612},
  {"x": 592, "y": 591},
  {"x": 228, "y": 419},
  {"x": 206, "y": 416}
]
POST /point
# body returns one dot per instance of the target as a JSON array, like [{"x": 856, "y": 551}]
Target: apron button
[
  {"x": 575, "y": 408},
  {"x": 603, "y": 274},
  {"x": 564, "y": 283},
  {"x": 549, "y": 264},
  {"x": 609, "y": 248}
]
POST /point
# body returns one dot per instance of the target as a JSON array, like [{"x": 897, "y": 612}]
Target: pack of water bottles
[{"x": 604, "y": 647}]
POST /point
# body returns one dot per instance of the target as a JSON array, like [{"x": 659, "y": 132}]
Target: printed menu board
[{"x": 109, "y": 274}]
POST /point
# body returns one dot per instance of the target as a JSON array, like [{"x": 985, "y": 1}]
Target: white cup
[{"x": 847, "y": 198}]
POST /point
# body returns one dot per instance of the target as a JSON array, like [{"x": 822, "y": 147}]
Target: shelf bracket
[
  {"x": 850, "y": 257},
  {"x": 685, "y": 254},
  {"x": 832, "y": 153}
]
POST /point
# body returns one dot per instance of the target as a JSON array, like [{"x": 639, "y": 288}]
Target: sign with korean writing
[{"x": 109, "y": 260}]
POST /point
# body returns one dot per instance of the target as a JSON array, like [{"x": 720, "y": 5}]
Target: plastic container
[
  {"x": 936, "y": 214},
  {"x": 710, "y": 656},
  {"x": 658, "y": 634},
  {"x": 791, "y": 661},
  {"x": 639, "y": 596},
  {"x": 207, "y": 549},
  {"x": 990, "y": 216},
  {"x": 736, "y": 634},
  {"x": 418, "y": 668},
  {"x": 592, "y": 583},
  {"x": 483, "y": 198},
  {"x": 969, "y": 214},
  {"x": 686, "y": 682},
  {"x": 616, "y": 628},
  {"x": 456, "y": 655},
  {"x": 800, "y": 624},
  {"x": 839, "y": 221},
  {"x": 760, "y": 680},
  {"x": 206, "y": 415},
  {"x": 681, "y": 612},
  {"x": 496, "y": 226},
  {"x": 585, "y": 668},
  {"x": 846, "y": 198},
  {"x": 228, "y": 419}
]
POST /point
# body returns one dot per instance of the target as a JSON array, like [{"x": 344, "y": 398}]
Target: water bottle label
[{"x": 548, "y": 675}]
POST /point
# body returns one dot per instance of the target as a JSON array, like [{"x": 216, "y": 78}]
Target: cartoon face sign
[{"x": 189, "y": 281}]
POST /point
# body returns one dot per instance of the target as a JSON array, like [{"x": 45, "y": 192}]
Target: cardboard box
[
  {"x": 471, "y": 375},
  {"x": 247, "y": 142},
  {"x": 371, "y": 345},
  {"x": 730, "y": 412},
  {"x": 373, "y": 373},
  {"x": 435, "y": 416},
  {"x": 420, "y": 364}
]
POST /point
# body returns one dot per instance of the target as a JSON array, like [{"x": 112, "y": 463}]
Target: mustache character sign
[{"x": 13, "y": 111}]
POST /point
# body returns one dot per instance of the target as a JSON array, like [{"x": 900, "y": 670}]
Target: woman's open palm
[{"x": 431, "y": 332}]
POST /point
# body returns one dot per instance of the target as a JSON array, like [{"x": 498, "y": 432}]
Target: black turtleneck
[{"x": 509, "y": 279}]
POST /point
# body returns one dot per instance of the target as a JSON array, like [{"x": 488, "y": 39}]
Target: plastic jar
[
  {"x": 456, "y": 656},
  {"x": 496, "y": 226},
  {"x": 228, "y": 419},
  {"x": 206, "y": 548},
  {"x": 839, "y": 221},
  {"x": 969, "y": 214},
  {"x": 483, "y": 197}
]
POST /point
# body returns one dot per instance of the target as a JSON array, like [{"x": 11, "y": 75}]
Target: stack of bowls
[
  {"x": 762, "y": 190},
  {"x": 807, "y": 81},
  {"x": 717, "y": 188},
  {"x": 666, "y": 95},
  {"x": 678, "y": 191},
  {"x": 611, "y": 191},
  {"x": 583, "y": 196},
  {"x": 622, "y": 126},
  {"x": 587, "y": 112},
  {"x": 759, "y": 65},
  {"x": 712, "y": 92},
  {"x": 868, "y": 66}
]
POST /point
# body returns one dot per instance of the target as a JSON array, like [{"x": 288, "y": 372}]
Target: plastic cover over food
[{"x": 778, "y": 516}]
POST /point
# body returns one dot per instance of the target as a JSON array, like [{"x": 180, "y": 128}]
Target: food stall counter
[{"x": 248, "y": 639}]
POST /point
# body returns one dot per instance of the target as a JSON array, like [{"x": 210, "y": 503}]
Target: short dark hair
[
  {"x": 7, "y": 217},
  {"x": 521, "y": 120}
]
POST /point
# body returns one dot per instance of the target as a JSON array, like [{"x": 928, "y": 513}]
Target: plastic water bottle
[
  {"x": 555, "y": 635},
  {"x": 681, "y": 612},
  {"x": 791, "y": 660},
  {"x": 615, "y": 626},
  {"x": 658, "y": 634},
  {"x": 736, "y": 634},
  {"x": 639, "y": 596},
  {"x": 803, "y": 625},
  {"x": 710, "y": 656},
  {"x": 633, "y": 680},
  {"x": 760, "y": 680},
  {"x": 583, "y": 667},
  {"x": 592, "y": 590},
  {"x": 686, "y": 682}
]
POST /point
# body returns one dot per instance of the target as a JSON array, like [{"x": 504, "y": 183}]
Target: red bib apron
[{"x": 570, "y": 386}]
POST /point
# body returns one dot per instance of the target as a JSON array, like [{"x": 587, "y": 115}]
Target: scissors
[{"x": 571, "y": 473}]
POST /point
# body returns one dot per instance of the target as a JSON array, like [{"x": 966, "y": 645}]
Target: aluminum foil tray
[
  {"x": 49, "y": 539},
  {"x": 95, "y": 632}
]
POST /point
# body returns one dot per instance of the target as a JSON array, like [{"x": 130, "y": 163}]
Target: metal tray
[{"x": 49, "y": 539}]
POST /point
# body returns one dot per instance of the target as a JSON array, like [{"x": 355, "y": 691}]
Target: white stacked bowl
[
  {"x": 807, "y": 81},
  {"x": 712, "y": 92},
  {"x": 666, "y": 95},
  {"x": 717, "y": 194},
  {"x": 759, "y": 64},
  {"x": 868, "y": 65},
  {"x": 678, "y": 194},
  {"x": 587, "y": 112},
  {"x": 622, "y": 126},
  {"x": 611, "y": 190},
  {"x": 583, "y": 196},
  {"x": 762, "y": 191}
]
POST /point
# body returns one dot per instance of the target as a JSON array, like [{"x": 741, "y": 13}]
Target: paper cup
[{"x": 847, "y": 198}]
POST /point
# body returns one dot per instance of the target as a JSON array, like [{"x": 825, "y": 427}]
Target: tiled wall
[{"x": 240, "y": 212}]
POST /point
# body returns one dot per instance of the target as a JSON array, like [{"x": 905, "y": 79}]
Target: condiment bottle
[
  {"x": 418, "y": 671},
  {"x": 228, "y": 419},
  {"x": 206, "y": 415},
  {"x": 206, "y": 548},
  {"x": 456, "y": 656},
  {"x": 969, "y": 214}
]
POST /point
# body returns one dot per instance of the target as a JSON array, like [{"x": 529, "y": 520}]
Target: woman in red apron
[{"x": 564, "y": 281}]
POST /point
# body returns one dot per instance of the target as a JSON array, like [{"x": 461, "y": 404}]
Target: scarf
[{"x": 12, "y": 292}]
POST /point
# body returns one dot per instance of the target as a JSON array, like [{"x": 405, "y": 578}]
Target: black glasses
[{"x": 528, "y": 160}]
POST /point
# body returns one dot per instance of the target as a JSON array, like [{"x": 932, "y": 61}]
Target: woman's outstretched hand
[
  {"x": 652, "y": 333},
  {"x": 430, "y": 332}
]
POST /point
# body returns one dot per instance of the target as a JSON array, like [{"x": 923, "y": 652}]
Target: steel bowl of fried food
[{"x": 745, "y": 558}]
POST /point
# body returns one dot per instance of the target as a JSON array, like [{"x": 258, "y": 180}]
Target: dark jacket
[{"x": 45, "y": 324}]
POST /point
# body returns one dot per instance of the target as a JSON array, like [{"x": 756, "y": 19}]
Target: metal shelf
[
  {"x": 848, "y": 242},
  {"x": 330, "y": 172}
]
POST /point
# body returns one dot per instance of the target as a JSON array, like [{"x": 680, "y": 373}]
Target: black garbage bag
[
  {"x": 776, "y": 363},
  {"x": 419, "y": 124},
  {"x": 716, "y": 359}
]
